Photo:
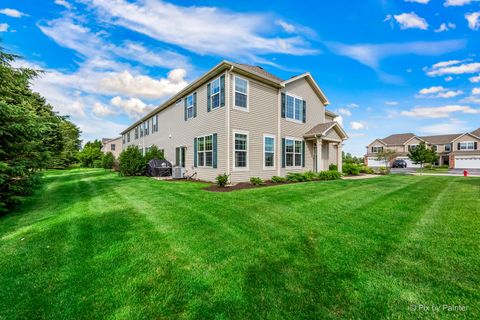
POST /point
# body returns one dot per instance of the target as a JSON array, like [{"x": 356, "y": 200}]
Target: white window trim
[
  {"x": 377, "y": 149},
  {"x": 266, "y": 135},
  {"x": 190, "y": 107},
  {"x": 295, "y": 97},
  {"x": 247, "y": 109},
  {"x": 219, "y": 94},
  {"x": 449, "y": 147},
  {"x": 301, "y": 153},
  {"x": 467, "y": 142},
  {"x": 247, "y": 168},
  {"x": 196, "y": 155}
]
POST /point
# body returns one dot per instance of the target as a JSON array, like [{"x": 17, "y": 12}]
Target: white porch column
[
  {"x": 339, "y": 156},
  {"x": 319, "y": 155}
]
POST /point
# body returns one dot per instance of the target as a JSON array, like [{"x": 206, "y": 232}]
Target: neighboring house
[
  {"x": 112, "y": 145},
  {"x": 458, "y": 151},
  {"x": 243, "y": 121}
]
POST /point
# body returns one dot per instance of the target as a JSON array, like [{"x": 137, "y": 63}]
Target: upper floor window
[
  {"x": 293, "y": 153},
  {"x": 155, "y": 123},
  {"x": 434, "y": 148},
  {"x": 205, "y": 151},
  {"x": 112, "y": 147},
  {"x": 412, "y": 147},
  {"x": 128, "y": 136},
  {"x": 294, "y": 108},
  {"x": 145, "y": 128},
  {"x": 123, "y": 139},
  {"x": 448, "y": 147},
  {"x": 241, "y": 93},
  {"x": 377, "y": 149},
  {"x": 467, "y": 145},
  {"x": 136, "y": 132},
  {"x": 215, "y": 93},
  {"x": 189, "y": 103}
]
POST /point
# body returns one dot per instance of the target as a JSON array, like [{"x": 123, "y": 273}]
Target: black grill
[{"x": 159, "y": 168}]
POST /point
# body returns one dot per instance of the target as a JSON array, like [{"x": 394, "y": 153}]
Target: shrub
[
  {"x": 256, "y": 181},
  {"x": 383, "y": 170},
  {"x": 333, "y": 167},
  {"x": 97, "y": 164},
  {"x": 132, "y": 162},
  {"x": 277, "y": 179},
  {"x": 108, "y": 160},
  {"x": 366, "y": 169},
  {"x": 329, "y": 175},
  {"x": 154, "y": 153},
  {"x": 296, "y": 177},
  {"x": 222, "y": 180},
  {"x": 310, "y": 176},
  {"x": 351, "y": 169}
]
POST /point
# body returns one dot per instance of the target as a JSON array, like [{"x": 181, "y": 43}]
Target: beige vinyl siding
[
  {"x": 260, "y": 119},
  {"x": 333, "y": 135},
  {"x": 328, "y": 118},
  {"x": 315, "y": 115},
  {"x": 107, "y": 147},
  {"x": 174, "y": 131}
]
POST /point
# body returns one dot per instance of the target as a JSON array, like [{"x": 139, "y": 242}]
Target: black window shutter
[
  {"x": 194, "y": 104},
  {"x": 185, "y": 108},
  {"x": 475, "y": 145},
  {"x": 177, "y": 156},
  {"x": 283, "y": 105},
  {"x": 195, "y": 152},
  {"x": 283, "y": 152},
  {"x": 304, "y": 111},
  {"x": 458, "y": 146},
  {"x": 303, "y": 153},
  {"x": 214, "y": 150},
  {"x": 209, "y": 100},
  {"x": 222, "y": 90}
]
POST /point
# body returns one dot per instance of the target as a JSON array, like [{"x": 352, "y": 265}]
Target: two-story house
[
  {"x": 243, "y": 121},
  {"x": 112, "y": 145},
  {"x": 458, "y": 151}
]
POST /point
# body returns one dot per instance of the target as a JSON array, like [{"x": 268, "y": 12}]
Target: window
[
  {"x": 269, "y": 151},
  {"x": 468, "y": 145},
  {"x": 241, "y": 93},
  {"x": 112, "y": 147},
  {"x": 155, "y": 124},
  {"x": 141, "y": 130},
  {"x": 189, "y": 106},
  {"x": 136, "y": 132},
  {"x": 293, "y": 108},
  {"x": 241, "y": 150},
  {"x": 205, "y": 151},
  {"x": 128, "y": 136},
  {"x": 145, "y": 128},
  {"x": 434, "y": 148},
  {"x": 123, "y": 139},
  {"x": 215, "y": 93},
  {"x": 293, "y": 153},
  {"x": 448, "y": 147},
  {"x": 377, "y": 149},
  {"x": 412, "y": 147}
]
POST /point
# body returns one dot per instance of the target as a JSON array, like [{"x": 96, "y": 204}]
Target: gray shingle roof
[
  {"x": 398, "y": 139},
  {"x": 261, "y": 71},
  {"x": 441, "y": 139},
  {"x": 320, "y": 128},
  {"x": 476, "y": 132}
]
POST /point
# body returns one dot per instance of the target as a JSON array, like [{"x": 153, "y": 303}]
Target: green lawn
[
  {"x": 92, "y": 244},
  {"x": 433, "y": 170}
]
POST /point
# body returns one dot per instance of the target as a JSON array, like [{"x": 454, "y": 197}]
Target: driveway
[{"x": 451, "y": 172}]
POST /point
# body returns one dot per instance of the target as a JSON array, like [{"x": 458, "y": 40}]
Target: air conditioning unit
[{"x": 178, "y": 172}]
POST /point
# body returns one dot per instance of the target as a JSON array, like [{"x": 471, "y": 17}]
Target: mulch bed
[{"x": 243, "y": 185}]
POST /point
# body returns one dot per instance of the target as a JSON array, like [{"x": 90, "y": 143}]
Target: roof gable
[
  {"x": 316, "y": 88},
  {"x": 322, "y": 129}
]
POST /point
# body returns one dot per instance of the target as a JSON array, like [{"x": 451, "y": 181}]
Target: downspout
[
  {"x": 228, "y": 119},
  {"x": 279, "y": 131}
]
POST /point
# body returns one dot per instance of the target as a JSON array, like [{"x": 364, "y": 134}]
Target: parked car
[{"x": 399, "y": 164}]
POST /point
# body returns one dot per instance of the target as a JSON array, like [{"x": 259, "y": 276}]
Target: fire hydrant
[{"x": 465, "y": 173}]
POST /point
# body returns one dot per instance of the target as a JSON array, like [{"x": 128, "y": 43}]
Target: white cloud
[
  {"x": 134, "y": 107},
  {"x": 457, "y": 3},
  {"x": 419, "y": 1},
  {"x": 448, "y": 63},
  {"x": 454, "y": 69},
  {"x": 287, "y": 27},
  {"x": 439, "y": 112},
  {"x": 102, "y": 111},
  {"x": 445, "y": 27},
  {"x": 391, "y": 103},
  {"x": 411, "y": 21},
  {"x": 203, "y": 30},
  {"x": 63, "y": 3},
  {"x": 143, "y": 86},
  {"x": 448, "y": 79},
  {"x": 449, "y": 94},
  {"x": 472, "y": 99},
  {"x": 372, "y": 54},
  {"x": 357, "y": 125},
  {"x": 438, "y": 92},
  {"x": 4, "y": 27},
  {"x": 12, "y": 13},
  {"x": 476, "y": 91},
  {"x": 454, "y": 126},
  {"x": 431, "y": 90},
  {"x": 473, "y": 20},
  {"x": 352, "y": 105},
  {"x": 344, "y": 112},
  {"x": 475, "y": 79}
]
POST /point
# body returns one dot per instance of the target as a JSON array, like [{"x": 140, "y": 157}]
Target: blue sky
[{"x": 386, "y": 66}]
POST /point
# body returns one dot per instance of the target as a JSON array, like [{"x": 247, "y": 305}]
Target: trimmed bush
[
  {"x": 296, "y": 177},
  {"x": 132, "y": 162},
  {"x": 383, "y": 170},
  {"x": 277, "y": 179},
  {"x": 222, "y": 180},
  {"x": 256, "y": 181},
  {"x": 333, "y": 167},
  {"x": 351, "y": 169},
  {"x": 97, "y": 164},
  {"x": 310, "y": 176},
  {"x": 108, "y": 160},
  {"x": 366, "y": 169},
  {"x": 329, "y": 175}
]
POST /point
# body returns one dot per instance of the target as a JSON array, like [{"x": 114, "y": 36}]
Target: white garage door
[
  {"x": 472, "y": 162},
  {"x": 375, "y": 163},
  {"x": 409, "y": 162}
]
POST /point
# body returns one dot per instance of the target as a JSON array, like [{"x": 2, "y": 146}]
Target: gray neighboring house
[
  {"x": 458, "y": 151},
  {"x": 112, "y": 145},
  {"x": 241, "y": 120}
]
